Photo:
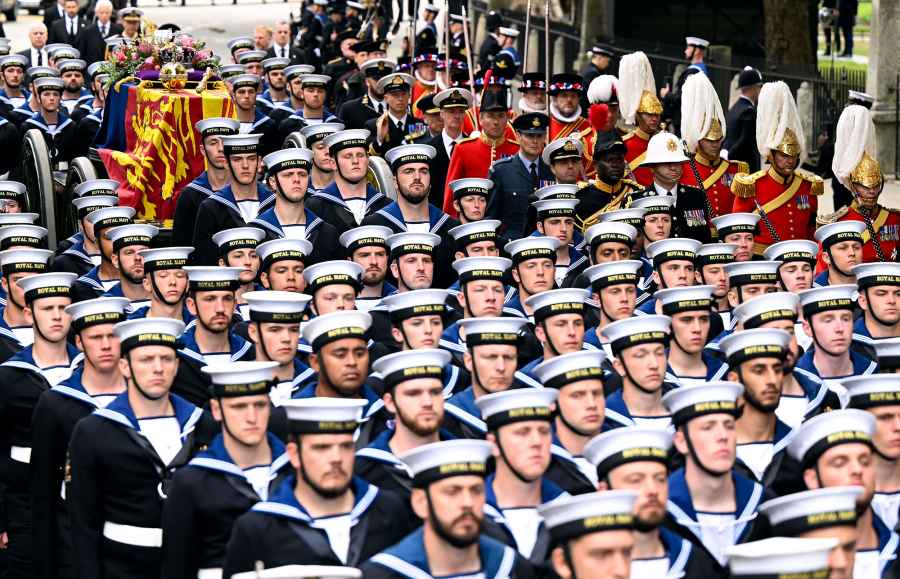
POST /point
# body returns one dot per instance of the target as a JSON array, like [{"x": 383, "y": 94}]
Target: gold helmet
[
  {"x": 702, "y": 116},
  {"x": 854, "y": 149},
  {"x": 789, "y": 145},
  {"x": 715, "y": 131},
  {"x": 778, "y": 126},
  {"x": 867, "y": 173},
  {"x": 649, "y": 104}
]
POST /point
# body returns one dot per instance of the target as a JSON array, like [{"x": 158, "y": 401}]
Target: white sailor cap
[
  {"x": 234, "y": 379},
  {"x": 507, "y": 31},
  {"x": 735, "y": 223},
  {"x": 70, "y": 65},
  {"x": 610, "y": 232},
  {"x": 281, "y": 249},
  {"x": 395, "y": 81},
  {"x": 549, "y": 208},
  {"x": 24, "y": 260},
  {"x": 746, "y": 345},
  {"x": 518, "y": 405},
  {"x": 149, "y": 332},
  {"x": 694, "y": 400},
  {"x": 557, "y": 191},
  {"x": 481, "y": 268},
  {"x": 630, "y": 332},
  {"x": 110, "y": 217},
  {"x": 333, "y": 272},
  {"x": 313, "y": 80},
  {"x": 685, "y": 299},
  {"x": 474, "y": 232},
  {"x": 887, "y": 351},
  {"x": 860, "y": 97},
  {"x": 241, "y": 144},
  {"x": 560, "y": 371},
  {"x": 131, "y": 234},
  {"x": 243, "y": 80},
  {"x": 240, "y": 42},
  {"x": 320, "y": 415},
  {"x": 106, "y": 310},
  {"x": 278, "y": 307},
  {"x": 482, "y": 331},
  {"x": 578, "y": 515},
  {"x": 824, "y": 431},
  {"x": 276, "y": 63},
  {"x": 766, "y": 308},
  {"x": 439, "y": 460},
  {"x": 290, "y": 158},
  {"x": 12, "y": 190},
  {"x": 832, "y": 297},
  {"x": 563, "y": 148},
  {"x": 237, "y": 238},
  {"x": 226, "y": 71},
  {"x": 742, "y": 273},
  {"x": 676, "y": 248},
  {"x": 453, "y": 97},
  {"x": 251, "y": 56},
  {"x": 411, "y": 364},
  {"x": 655, "y": 204},
  {"x": 872, "y": 390},
  {"x": 365, "y": 236},
  {"x": 213, "y": 278},
  {"x": 9, "y": 60},
  {"x": 632, "y": 216},
  {"x": 406, "y": 154},
  {"x": 303, "y": 571},
  {"x": 695, "y": 41},
  {"x": 792, "y": 250},
  {"x": 625, "y": 445},
  {"x": 355, "y": 5},
  {"x": 429, "y": 7},
  {"x": 346, "y": 139},
  {"x": 715, "y": 254},
  {"x": 293, "y": 71},
  {"x": 798, "y": 513},
  {"x": 557, "y": 302},
  {"x": 22, "y": 236},
  {"x": 315, "y": 133},
  {"x": 840, "y": 231},
  {"x": 96, "y": 187},
  {"x": 471, "y": 186},
  {"x": 781, "y": 557},
  {"x": 876, "y": 273},
  {"x": 165, "y": 258},
  {"x": 18, "y": 218},
  {"x": 61, "y": 51},
  {"x": 532, "y": 247},
  {"x": 421, "y": 302},
  {"x": 38, "y": 72},
  {"x": 412, "y": 242},
  {"x": 334, "y": 326},
  {"x": 46, "y": 285},
  {"x": 614, "y": 272}
]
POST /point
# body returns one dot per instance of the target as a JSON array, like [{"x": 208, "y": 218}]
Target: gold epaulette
[
  {"x": 413, "y": 136},
  {"x": 336, "y": 60},
  {"x": 583, "y": 185},
  {"x": 832, "y": 217},
  {"x": 816, "y": 183},
  {"x": 744, "y": 185},
  {"x": 743, "y": 166},
  {"x": 627, "y": 135}
]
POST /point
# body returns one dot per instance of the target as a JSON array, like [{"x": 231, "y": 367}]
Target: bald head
[{"x": 37, "y": 35}]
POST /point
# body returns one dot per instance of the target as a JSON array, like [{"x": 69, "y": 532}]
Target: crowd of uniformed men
[{"x": 563, "y": 349}]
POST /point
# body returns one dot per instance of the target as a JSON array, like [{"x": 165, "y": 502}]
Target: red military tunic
[
  {"x": 419, "y": 90},
  {"x": 886, "y": 224},
  {"x": 470, "y": 124},
  {"x": 636, "y": 150},
  {"x": 472, "y": 157},
  {"x": 582, "y": 128},
  {"x": 790, "y": 204},
  {"x": 716, "y": 180}
]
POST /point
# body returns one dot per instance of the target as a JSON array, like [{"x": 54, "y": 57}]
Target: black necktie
[
  {"x": 103, "y": 30},
  {"x": 400, "y": 126},
  {"x": 452, "y": 146},
  {"x": 40, "y": 58},
  {"x": 534, "y": 176}
]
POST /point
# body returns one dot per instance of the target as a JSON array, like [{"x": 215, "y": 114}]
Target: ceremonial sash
[
  {"x": 785, "y": 196},
  {"x": 716, "y": 175},
  {"x": 636, "y": 162},
  {"x": 877, "y": 224}
]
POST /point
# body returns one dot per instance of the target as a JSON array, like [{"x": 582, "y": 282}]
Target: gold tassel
[{"x": 743, "y": 185}]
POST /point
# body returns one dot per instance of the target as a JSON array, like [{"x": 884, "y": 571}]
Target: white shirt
[
  {"x": 34, "y": 57},
  {"x": 659, "y": 422},
  {"x": 164, "y": 434},
  {"x": 449, "y": 142},
  {"x": 96, "y": 259},
  {"x": 656, "y": 568},
  {"x": 281, "y": 392},
  {"x": 376, "y": 104},
  {"x": 56, "y": 374},
  {"x": 258, "y": 477},
  {"x": 867, "y": 565},
  {"x": 757, "y": 456},
  {"x": 357, "y": 206},
  {"x": 108, "y": 284},
  {"x": 791, "y": 409},
  {"x": 103, "y": 400},
  {"x": 294, "y": 231},
  {"x": 524, "y": 523},
  {"x": 418, "y": 226},
  {"x": 717, "y": 532},
  {"x": 245, "y": 128},
  {"x": 71, "y": 25},
  {"x": 281, "y": 51},
  {"x": 25, "y": 335},
  {"x": 661, "y": 191},
  {"x": 217, "y": 358},
  {"x": 338, "y": 530},
  {"x": 249, "y": 209},
  {"x": 885, "y": 506}
]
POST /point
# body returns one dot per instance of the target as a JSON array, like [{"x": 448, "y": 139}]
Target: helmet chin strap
[
  {"x": 159, "y": 294},
  {"x": 344, "y": 177},
  {"x": 816, "y": 340},
  {"x": 549, "y": 341},
  {"x": 870, "y": 311},
  {"x": 509, "y": 465},
  {"x": 569, "y": 425},
  {"x": 835, "y": 265},
  {"x": 637, "y": 384},
  {"x": 138, "y": 385},
  {"x": 693, "y": 453}
]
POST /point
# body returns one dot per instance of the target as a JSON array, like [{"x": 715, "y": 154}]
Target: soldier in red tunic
[
  {"x": 424, "y": 71},
  {"x": 640, "y": 108},
  {"x": 566, "y": 118}
]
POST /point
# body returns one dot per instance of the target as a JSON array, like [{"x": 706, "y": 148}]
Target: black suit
[
  {"x": 59, "y": 33},
  {"x": 52, "y": 14},
  {"x": 92, "y": 43},
  {"x": 27, "y": 54},
  {"x": 294, "y": 53},
  {"x": 489, "y": 49},
  {"x": 396, "y": 135},
  {"x": 740, "y": 141},
  {"x": 355, "y": 113},
  {"x": 439, "y": 166}
]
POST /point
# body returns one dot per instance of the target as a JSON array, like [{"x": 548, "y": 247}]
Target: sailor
[
  {"x": 417, "y": 319},
  {"x": 165, "y": 282},
  {"x": 128, "y": 241},
  {"x": 798, "y": 261},
  {"x": 477, "y": 239},
  {"x": 287, "y": 172},
  {"x": 210, "y": 340},
  {"x": 559, "y": 325},
  {"x": 321, "y": 174},
  {"x": 778, "y": 555},
  {"x": 253, "y": 120},
  {"x": 749, "y": 279},
  {"x": 123, "y": 457},
  {"x": 708, "y": 498},
  {"x": 92, "y": 386},
  {"x": 52, "y": 121},
  {"x": 237, "y": 248},
  {"x": 608, "y": 241},
  {"x": 673, "y": 266},
  {"x": 320, "y": 514},
  {"x": 13, "y": 198},
  {"x": 638, "y": 346},
  {"x": 282, "y": 264},
  {"x": 16, "y": 330},
  {"x": 333, "y": 286},
  {"x": 690, "y": 309},
  {"x": 367, "y": 246},
  {"x": 83, "y": 251},
  {"x": 104, "y": 276},
  {"x": 449, "y": 495},
  {"x": 237, "y": 203},
  {"x": 556, "y": 218},
  {"x": 659, "y": 216},
  {"x": 888, "y": 355},
  {"x": 274, "y": 78},
  {"x": 411, "y": 259},
  {"x": 842, "y": 244},
  {"x": 414, "y": 395},
  {"x": 313, "y": 110},
  {"x": 215, "y": 178},
  {"x": 879, "y": 286},
  {"x": 274, "y": 328},
  {"x": 533, "y": 270},
  {"x": 614, "y": 287},
  {"x": 738, "y": 229},
  {"x": 710, "y": 265},
  {"x": 239, "y": 468},
  {"x": 72, "y": 71},
  {"x": 238, "y": 45},
  {"x": 641, "y": 109}
]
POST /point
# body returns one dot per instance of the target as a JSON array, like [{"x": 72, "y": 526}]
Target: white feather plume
[
  {"x": 601, "y": 88},
  {"x": 855, "y": 136},
  {"x": 635, "y": 76},
  {"x": 699, "y": 106},
  {"x": 776, "y": 111}
]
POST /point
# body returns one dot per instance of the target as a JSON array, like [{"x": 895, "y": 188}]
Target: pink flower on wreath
[
  {"x": 120, "y": 56},
  {"x": 148, "y": 64},
  {"x": 187, "y": 42},
  {"x": 203, "y": 55},
  {"x": 145, "y": 48}
]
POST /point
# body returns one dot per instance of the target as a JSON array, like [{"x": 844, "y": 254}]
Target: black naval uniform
[
  {"x": 597, "y": 197},
  {"x": 397, "y": 133},
  {"x": 689, "y": 216},
  {"x": 219, "y": 212},
  {"x": 189, "y": 200},
  {"x": 280, "y": 532},
  {"x": 740, "y": 141},
  {"x": 60, "y": 139},
  {"x": 119, "y": 483},
  {"x": 356, "y": 113},
  {"x": 330, "y": 206}
]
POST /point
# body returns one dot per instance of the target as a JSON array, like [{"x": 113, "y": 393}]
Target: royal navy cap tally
[
  {"x": 244, "y": 80},
  {"x": 71, "y": 65},
  {"x": 744, "y": 345},
  {"x": 781, "y": 557},
  {"x": 320, "y": 415},
  {"x": 282, "y": 249},
  {"x": 685, "y": 299},
  {"x": 110, "y": 217},
  {"x": 557, "y": 191},
  {"x": 830, "y": 429},
  {"x": 655, "y": 204},
  {"x": 887, "y": 351},
  {"x": 245, "y": 144},
  {"x": 46, "y": 285},
  {"x": 406, "y": 154},
  {"x": 131, "y": 234},
  {"x": 471, "y": 186},
  {"x": 297, "y": 70},
  {"x": 481, "y": 268},
  {"x": 347, "y": 139},
  {"x": 475, "y": 232},
  {"x": 549, "y": 208},
  {"x": 633, "y": 216},
  {"x": 876, "y": 274},
  {"x": 24, "y": 260},
  {"x": 276, "y": 307},
  {"x": 610, "y": 232},
  {"x": 673, "y": 249},
  {"x": 165, "y": 258},
  {"x": 828, "y": 298},
  {"x": 61, "y": 51},
  {"x": 840, "y": 231},
  {"x": 226, "y": 71},
  {"x": 412, "y": 242},
  {"x": 626, "y": 445},
  {"x": 315, "y": 133},
  {"x": 695, "y": 400},
  {"x": 235, "y": 379},
  {"x": 793, "y": 250},
  {"x": 334, "y": 272},
  {"x": 735, "y": 223},
  {"x": 10, "y": 60},
  {"x": 741, "y": 273},
  {"x": 579, "y": 515},
  {"x": 49, "y": 83},
  {"x": 766, "y": 308},
  {"x": 15, "y": 190},
  {"x": 715, "y": 254},
  {"x": 421, "y": 302},
  {"x": 798, "y": 513},
  {"x": 98, "y": 311},
  {"x": 565, "y": 369},
  {"x": 519, "y": 405},
  {"x": 334, "y": 326},
  {"x": 624, "y": 271},
  {"x": 532, "y": 247},
  {"x": 407, "y": 365},
  {"x": 149, "y": 332},
  {"x": 37, "y": 72},
  {"x": 560, "y": 149},
  {"x": 365, "y": 236},
  {"x": 631, "y": 332},
  {"x": 872, "y": 390},
  {"x": 275, "y": 63},
  {"x": 22, "y": 236},
  {"x": 314, "y": 80},
  {"x": 207, "y": 278},
  {"x": 485, "y": 331},
  {"x": 557, "y": 302},
  {"x": 436, "y": 461},
  {"x": 93, "y": 188},
  {"x": 290, "y": 158},
  {"x": 238, "y": 238}
]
